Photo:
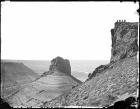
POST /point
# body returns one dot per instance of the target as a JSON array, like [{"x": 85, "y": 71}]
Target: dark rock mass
[
  {"x": 124, "y": 44},
  {"x": 128, "y": 103},
  {"x": 113, "y": 82},
  {"x": 124, "y": 40},
  {"x": 97, "y": 71},
  {"x": 60, "y": 64},
  {"x": 4, "y": 104}
]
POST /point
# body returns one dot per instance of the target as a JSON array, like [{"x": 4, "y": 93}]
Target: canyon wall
[{"x": 112, "y": 82}]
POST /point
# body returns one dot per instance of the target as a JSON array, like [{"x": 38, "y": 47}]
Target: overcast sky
[{"x": 72, "y": 30}]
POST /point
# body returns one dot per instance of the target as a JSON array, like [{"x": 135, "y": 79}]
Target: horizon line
[{"x": 53, "y": 58}]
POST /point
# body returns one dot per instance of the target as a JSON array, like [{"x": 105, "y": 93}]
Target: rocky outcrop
[
  {"x": 60, "y": 64},
  {"x": 124, "y": 40},
  {"x": 98, "y": 70},
  {"x": 51, "y": 84},
  {"x": 112, "y": 82},
  {"x": 124, "y": 44}
]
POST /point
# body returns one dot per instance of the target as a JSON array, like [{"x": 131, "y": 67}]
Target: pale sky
[{"x": 72, "y": 30}]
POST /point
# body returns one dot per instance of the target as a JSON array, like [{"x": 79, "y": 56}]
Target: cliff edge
[{"x": 112, "y": 82}]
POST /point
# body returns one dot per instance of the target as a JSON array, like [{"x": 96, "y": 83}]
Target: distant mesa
[{"x": 60, "y": 64}]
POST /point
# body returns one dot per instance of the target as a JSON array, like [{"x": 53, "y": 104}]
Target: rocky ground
[
  {"x": 57, "y": 81},
  {"x": 13, "y": 75},
  {"x": 112, "y": 82}
]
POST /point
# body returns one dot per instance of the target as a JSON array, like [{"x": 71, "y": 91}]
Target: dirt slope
[{"x": 112, "y": 82}]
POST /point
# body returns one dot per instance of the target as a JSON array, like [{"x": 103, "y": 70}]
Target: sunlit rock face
[
  {"x": 112, "y": 82},
  {"x": 124, "y": 44},
  {"x": 60, "y": 64},
  {"x": 48, "y": 86},
  {"x": 124, "y": 40}
]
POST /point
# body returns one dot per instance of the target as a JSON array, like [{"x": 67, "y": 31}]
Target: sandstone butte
[
  {"x": 57, "y": 81},
  {"x": 112, "y": 82}
]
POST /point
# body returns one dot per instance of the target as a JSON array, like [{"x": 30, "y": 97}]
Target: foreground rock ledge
[{"x": 112, "y": 82}]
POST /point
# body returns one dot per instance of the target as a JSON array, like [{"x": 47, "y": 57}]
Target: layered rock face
[
  {"x": 60, "y": 64},
  {"x": 124, "y": 40},
  {"x": 124, "y": 44},
  {"x": 112, "y": 82},
  {"x": 13, "y": 75},
  {"x": 48, "y": 86}
]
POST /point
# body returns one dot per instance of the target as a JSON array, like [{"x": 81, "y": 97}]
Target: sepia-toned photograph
[{"x": 69, "y": 54}]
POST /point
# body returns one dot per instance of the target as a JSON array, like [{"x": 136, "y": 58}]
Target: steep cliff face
[
  {"x": 60, "y": 64},
  {"x": 124, "y": 40},
  {"x": 112, "y": 82},
  {"x": 124, "y": 44}
]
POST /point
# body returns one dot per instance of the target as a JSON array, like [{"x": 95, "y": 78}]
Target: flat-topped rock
[
  {"x": 60, "y": 64},
  {"x": 124, "y": 40}
]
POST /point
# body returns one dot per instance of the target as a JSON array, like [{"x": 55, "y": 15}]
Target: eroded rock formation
[
  {"x": 60, "y": 64},
  {"x": 124, "y": 44},
  {"x": 51, "y": 84},
  {"x": 112, "y": 82},
  {"x": 124, "y": 40}
]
